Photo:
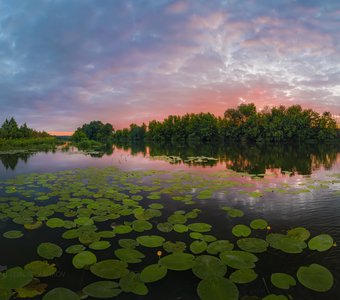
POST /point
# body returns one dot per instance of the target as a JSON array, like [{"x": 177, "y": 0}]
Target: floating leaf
[
  {"x": 151, "y": 241},
  {"x": 153, "y": 273},
  {"x": 132, "y": 283},
  {"x": 33, "y": 289},
  {"x": 55, "y": 223},
  {"x": 177, "y": 219},
  {"x": 178, "y": 261},
  {"x": 199, "y": 227},
  {"x": 241, "y": 230},
  {"x": 321, "y": 243},
  {"x": 174, "y": 247},
  {"x": 164, "y": 227},
  {"x": 239, "y": 259},
  {"x": 61, "y": 293},
  {"x": 110, "y": 269},
  {"x": 13, "y": 234},
  {"x": 315, "y": 277},
  {"x": 180, "y": 228},
  {"x": 83, "y": 221},
  {"x": 197, "y": 247},
  {"x": 243, "y": 276},
  {"x": 253, "y": 245},
  {"x": 129, "y": 255},
  {"x": 207, "y": 266},
  {"x": 102, "y": 289},
  {"x": 41, "y": 268},
  {"x": 33, "y": 226},
  {"x": 128, "y": 243},
  {"x": 49, "y": 250},
  {"x": 299, "y": 233},
  {"x": 100, "y": 245},
  {"x": 217, "y": 288},
  {"x": 282, "y": 280},
  {"x": 141, "y": 225},
  {"x": 122, "y": 229},
  {"x": 15, "y": 278},
  {"x": 235, "y": 213},
  {"x": 84, "y": 259},
  {"x": 219, "y": 246},
  {"x": 275, "y": 297},
  {"x": 74, "y": 249},
  {"x": 259, "y": 224}
]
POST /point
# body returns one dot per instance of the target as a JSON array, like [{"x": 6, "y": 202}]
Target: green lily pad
[
  {"x": 322, "y": 242},
  {"x": 282, "y": 280},
  {"x": 285, "y": 243},
  {"x": 129, "y": 255},
  {"x": 164, "y": 227},
  {"x": 241, "y": 230},
  {"x": 6, "y": 294},
  {"x": 61, "y": 293},
  {"x": 178, "y": 261},
  {"x": 33, "y": 289},
  {"x": 315, "y": 277},
  {"x": 177, "y": 219},
  {"x": 197, "y": 247},
  {"x": 153, "y": 273},
  {"x": 219, "y": 246},
  {"x": 174, "y": 246},
  {"x": 141, "y": 225},
  {"x": 122, "y": 229},
  {"x": 238, "y": 259},
  {"x": 132, "y": 283},
  {"x": 15, "y": 278},
  {"x": 128, "y": 243},
  {"x": 33, "y": 226},
  {"x": 235, "y": 213},
  {"x": 180, "y": 228},
  {"x": 83, "y": 221},
  {"x": 207, "y": 266},
  {"x": 299, "y": 233},
  {"x": 253, "y": 245},
  {"x": 84, "y": 259},
  {"x": 102, "y": 289},
  {"x": 41, "y": 268},
  {"x": 100, "y": 245},
  {"x": 55, "y": 223},
  {"x": 49, "y": 250},
  {"x": 275, "y": 297},
  {"x": 243, "y": 276},
  {"x": 259, "y": 224},
  {"x": 150, "y": 241},
  {"x": 74, "y": 249},
  {"x": 110, "y": 269},
  {"x": 217, "y": 288},
  {"x": 13, "y": 234},
  {"x": 199, "y": 227}
]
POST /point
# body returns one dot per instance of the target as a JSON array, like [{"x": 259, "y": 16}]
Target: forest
[{"x": 244, "y": 123}]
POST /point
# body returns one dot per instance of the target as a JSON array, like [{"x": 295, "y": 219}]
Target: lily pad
[
  {"x": 275, "y": 297},
  {"x": 259, "y": 224},
  {"x": 49, "y": 250},
  {"x": 178, "y": 261},
  {"x": 13, "y": 234},
  {"x": 102, "y": 289},
  {"x": 315, "y": 277},
  {"x": 282, "y": 280},
  {"x": 41, "y": 268},
  {"x": 241, "y": 230},
  {"x": 197, "y": 247},
  {"x": 84, "y": 259},
  {"x": 253, "y": 245},
  {"x": 219, "y": 246},
  {"x": 153, "y": 273},
  {"x": 180, "y": 228},
  {"x": 33, "y": 289},
  {"x": 129, "y": 255},
  {"x": 164, "y": 227},
  {"x": 217, "y": 288},
  {"x": 150, "y": 241},
  {"x": 61, "y": 293},
  {"x": 74, "y": 249},
  {"x": 299, "y": 233},
  {"x": 128, "y": 243},
  {"x": 55, "y": 223},
  {"x": 321, "y": 243},
  {"x": 122, "y": 229},
  {"x": 141, "y": 225},
  {"x": 238, "y": 259},
  {"x": 100, "y": 245},
  {"x": 207, "y": 266},
  {"x": 15, "y": 278},
  {"x": 174, "y": 246},
  {"x": 110, "y": 269},
  {"x": 132, "y": 283},
  {"x": 243, "y": 276},
  {"x": 199, "y": 227}
]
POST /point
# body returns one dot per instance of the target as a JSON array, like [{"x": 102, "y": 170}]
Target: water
[{"x": 297, "y": 167}]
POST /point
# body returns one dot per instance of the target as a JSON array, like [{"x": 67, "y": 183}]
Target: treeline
[
  {"x": 93, "y": 135},
  {"x": 11, "y": 130},
  {"x": 245, "y": 123}
]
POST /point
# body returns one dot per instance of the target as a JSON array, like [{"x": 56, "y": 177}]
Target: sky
[{"x": 67, "y": 62}]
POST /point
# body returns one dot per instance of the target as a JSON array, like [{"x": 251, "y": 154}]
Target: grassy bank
[{"x": 46, "y": 143}]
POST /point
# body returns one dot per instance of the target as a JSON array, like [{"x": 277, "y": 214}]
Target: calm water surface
[{"x": 317, "y": 210}]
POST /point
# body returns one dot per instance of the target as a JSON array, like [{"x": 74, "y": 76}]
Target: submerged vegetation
[
  {"x": 244, "y": 123},
  {"x": 126, "y": 232}
]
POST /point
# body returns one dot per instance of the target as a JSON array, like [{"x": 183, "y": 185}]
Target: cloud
[{"x": 63, "y": 63}]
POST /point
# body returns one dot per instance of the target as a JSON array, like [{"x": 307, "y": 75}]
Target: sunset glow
[{"x": 64, "y": 63}]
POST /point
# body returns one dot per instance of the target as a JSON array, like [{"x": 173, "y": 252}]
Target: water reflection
[{"x": 253, "y": 159}]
